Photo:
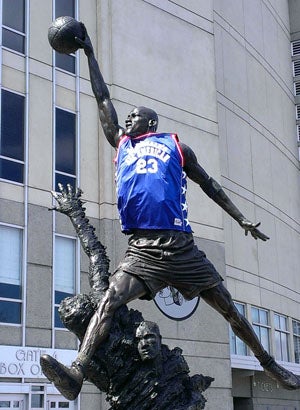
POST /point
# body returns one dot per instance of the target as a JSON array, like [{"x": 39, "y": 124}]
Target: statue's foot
[
  {"x": 67, "y": 380},
  {"x": 285, "y": 378}
]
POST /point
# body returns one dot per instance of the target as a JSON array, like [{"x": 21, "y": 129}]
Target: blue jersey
[{"x": 151, "y": 183}]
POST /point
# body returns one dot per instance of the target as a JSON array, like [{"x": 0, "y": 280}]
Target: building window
[
  {"x": 260, "y": 322},
  {"x": 296, "y": 48},
  {"x": 298, "y": 112},
  {"x": 13, "y": 25},
  {"x": 65, "y": 61},
  {"x": 10, "y": 274},
  {"x": 64, "y": 272},
  {"x": 281, "y": 338},
  {"x": 296, "y": 335},
  {"x": 12, "y": 136},
  {"x": 237, "y": 346},
  {"x": 65, "y": 148},
  {"x": 296, "y": 68}
]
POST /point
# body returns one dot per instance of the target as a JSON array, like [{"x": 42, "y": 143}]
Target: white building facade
[{"x": 225, "y": 76}]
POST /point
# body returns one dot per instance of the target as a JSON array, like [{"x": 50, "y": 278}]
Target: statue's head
[
  {"x": 149, "y": 340},
  {"x": 141, "y": 120}
]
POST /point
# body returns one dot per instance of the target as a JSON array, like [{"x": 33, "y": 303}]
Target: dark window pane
[
  {"x": 64, "y": 8},
  {"x": 63, "y": 405},
  {"x": 12, "y": 171},
  {"x": 10, "y": 312},
  {"x": 57, "y": 321},
  {"x": 37, "y": 401},
  {"x": 59, "y": 296},
  {"x": 10, "y": 291},
  {"x": 65, "y": 157},
  {"x": 65, "y": 180},
  {"x": 12, "y": 125},
  {"x": 13, "y": 14},
  {"x": 65, "y": 62},
  {"x": 13, "y": 40}
]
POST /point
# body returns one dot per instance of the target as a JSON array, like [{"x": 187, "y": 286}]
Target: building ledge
[{"x": 251, "y": 363}]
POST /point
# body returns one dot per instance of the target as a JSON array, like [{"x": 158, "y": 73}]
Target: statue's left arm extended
[
  {"x": 69, "y": 203},
  {"x": 212, "y": 188}
]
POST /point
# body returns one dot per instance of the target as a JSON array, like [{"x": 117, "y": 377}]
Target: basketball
[{"x": 62, "y": 33}]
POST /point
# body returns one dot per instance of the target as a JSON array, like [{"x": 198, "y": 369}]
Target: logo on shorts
[{"x": 173, "y": 305}]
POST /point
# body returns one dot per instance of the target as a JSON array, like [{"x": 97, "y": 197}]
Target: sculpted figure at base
[
  {"x": 132, "y": 367},
  {"x": 151, "y": 178}
]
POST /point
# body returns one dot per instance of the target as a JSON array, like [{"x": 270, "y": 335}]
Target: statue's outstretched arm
[
  {"x": 107, "y": 112},
  {"x": 211, "y": 187},
  {"x": 70, "y": 204}
]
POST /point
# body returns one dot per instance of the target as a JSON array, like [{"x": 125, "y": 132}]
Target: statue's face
[
  {"x": 149, "y": 344},
  {"x": 140, "y": 121}
]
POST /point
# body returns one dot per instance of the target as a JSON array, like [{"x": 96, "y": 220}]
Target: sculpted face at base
[
  {"x": 141, "y": 120},
  {"x": 149, "y": 340}
]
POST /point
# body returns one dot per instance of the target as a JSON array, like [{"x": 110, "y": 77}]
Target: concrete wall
[{"x": 259, "y": 166}]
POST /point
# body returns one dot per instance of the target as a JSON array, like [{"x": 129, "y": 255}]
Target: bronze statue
[
  {"x": 132, "y": 366},
  {"x": 151, "y": 171}
]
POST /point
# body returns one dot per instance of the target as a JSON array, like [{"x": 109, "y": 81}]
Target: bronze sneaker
[{"x": 67, "y": 380}]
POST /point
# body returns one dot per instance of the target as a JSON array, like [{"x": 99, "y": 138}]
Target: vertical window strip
[
  {"x": 11, "y": 274},
  {"x": 296, "y": 68},
  {"x": 237, "y": 346},
  {"x": 12, "y": 140},
  {"x": 298, "y": 112},
  {"x": 65, "y": 272},
  {"x": 295, "y": 51},
  {"x": 298, "y": 133},
  {"x": 65, "y": 62},
  {"x": 281, "y": 337},
  {"x": 65, "y": 148},
  {"x": 296, "y": 337},
  {"x": 296, "y": 48},
  {"x": 14, "y": 25},
  {"x": 297, "y": 87},
  {"x": 260, "y": 322}
]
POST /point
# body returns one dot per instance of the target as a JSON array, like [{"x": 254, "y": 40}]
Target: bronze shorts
[{"x": 168, "y": 258}]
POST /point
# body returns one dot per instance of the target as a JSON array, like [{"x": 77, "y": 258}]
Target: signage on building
[{"x": 24, "y": 362}]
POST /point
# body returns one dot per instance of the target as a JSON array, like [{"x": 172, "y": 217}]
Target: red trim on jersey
[
  {"x": 123, "y": 139},
  {"x": 176, "y": 140}
]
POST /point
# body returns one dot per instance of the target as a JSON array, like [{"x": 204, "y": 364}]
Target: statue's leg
[
  {"x": 123, "y": 288},
  {"x": 220, "y": 299}
]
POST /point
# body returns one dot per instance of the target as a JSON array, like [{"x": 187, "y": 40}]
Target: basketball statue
[{"x": 132, "y": 367}]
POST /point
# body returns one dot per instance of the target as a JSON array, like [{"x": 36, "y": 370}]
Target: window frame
[
  {"x": 296, "y": 337},
  {"x": 11, "y": 159},
  {"x": 280, "y": 332},
  {"x": 262, "y": 325},
  {"x": 234, "y": 339},
  {"x": 65, "y": 56},
  {"x": 76, "y": 278},
  {"x": 20, "y": 301},
  {"x": 56, "y": 171},
  {"x": 15, "y": 31}
]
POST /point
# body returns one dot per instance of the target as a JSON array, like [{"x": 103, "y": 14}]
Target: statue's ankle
[{"x": 81, "y": 363}]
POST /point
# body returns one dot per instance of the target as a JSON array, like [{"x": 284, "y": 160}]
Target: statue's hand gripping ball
[{"x": 62, "y": 33}]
